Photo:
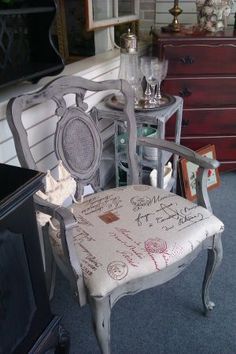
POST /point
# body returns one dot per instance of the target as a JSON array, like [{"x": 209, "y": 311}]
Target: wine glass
[
  {"x": 146, "y": 68},
  {"x": 157, "y": 67},
  {"x": 135, "y": 82},
  {"x": 162, "y": 76}
]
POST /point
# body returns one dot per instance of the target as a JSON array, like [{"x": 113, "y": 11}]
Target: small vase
[{"x": 212, "y": 15}]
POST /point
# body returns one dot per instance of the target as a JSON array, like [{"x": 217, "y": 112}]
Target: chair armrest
[
  {"x": 62, "y": 214},
  {"x": 180, "y": 150},
  {"x": 204, "y": 163}
]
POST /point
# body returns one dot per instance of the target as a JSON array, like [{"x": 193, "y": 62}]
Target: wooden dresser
[{"x": 202, "y": 70}]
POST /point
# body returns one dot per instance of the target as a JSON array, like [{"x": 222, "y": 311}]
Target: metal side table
[{"x": 157, "y": 118}]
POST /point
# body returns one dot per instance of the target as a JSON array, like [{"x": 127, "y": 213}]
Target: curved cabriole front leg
[
  {"x": 101, "y": 311},
  {"x": 215, "y": 255}
]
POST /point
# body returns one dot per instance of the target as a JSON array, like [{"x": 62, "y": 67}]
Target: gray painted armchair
[{"x": 119, "y": 241}]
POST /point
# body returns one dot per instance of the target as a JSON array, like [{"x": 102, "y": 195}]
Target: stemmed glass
[
  {"x": 146, "y": 66},
  {"x": 135, "y": 82},
  {"x": 161, "y": 76},
  {"x": 157, "y": 73}
]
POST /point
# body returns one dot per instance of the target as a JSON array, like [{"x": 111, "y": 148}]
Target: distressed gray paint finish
[
  {"x": 69, "y": 146},
  {"x": 55, "y": 91}
]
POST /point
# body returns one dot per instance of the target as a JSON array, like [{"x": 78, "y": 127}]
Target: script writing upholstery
[{"x": 133, "y": 231}]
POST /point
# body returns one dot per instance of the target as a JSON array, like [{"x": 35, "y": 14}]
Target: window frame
[{"x": 91, "y": 24}]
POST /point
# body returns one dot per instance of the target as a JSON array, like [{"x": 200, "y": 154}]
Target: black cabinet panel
[
  {"x": 14, "y": 274},
  {"x": 26, "y": 322}
]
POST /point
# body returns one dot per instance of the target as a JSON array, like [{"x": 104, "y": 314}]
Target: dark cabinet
[
  {"x": 27, "y": 51},
  {"x": 26, "y": 322},
  {"x": 202, "y": 69}
]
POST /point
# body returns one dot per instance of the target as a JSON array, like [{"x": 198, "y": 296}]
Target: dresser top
[{"x": 189, "y": 34}]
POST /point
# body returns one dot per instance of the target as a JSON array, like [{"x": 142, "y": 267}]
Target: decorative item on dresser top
[
  {"x": 175, "y": 11},
  {"x": 212, "y": 15},
  {"x": 122, "y": 240},
  {"x": 202, "y": 70}
]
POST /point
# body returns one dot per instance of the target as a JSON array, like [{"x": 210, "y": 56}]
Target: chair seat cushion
[{"x": 129, "y": 232}]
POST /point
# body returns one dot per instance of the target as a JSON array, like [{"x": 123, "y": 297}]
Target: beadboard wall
[
  {"x": 188, "y": 16},
  {"x": 100, "y": 67},
  {"x": 147, "y": 13}
]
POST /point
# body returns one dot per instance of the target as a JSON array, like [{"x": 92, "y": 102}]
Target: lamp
[{"x": 175, "y": 11}]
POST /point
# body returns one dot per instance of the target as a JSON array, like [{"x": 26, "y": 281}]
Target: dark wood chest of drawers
[{"x": 202, "y": 69}]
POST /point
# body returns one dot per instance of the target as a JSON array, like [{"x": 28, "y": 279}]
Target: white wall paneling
[{"x": 40, "y": 120}]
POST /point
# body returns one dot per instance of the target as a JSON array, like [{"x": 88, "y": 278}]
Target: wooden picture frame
[{"x": 189, "y": 172}]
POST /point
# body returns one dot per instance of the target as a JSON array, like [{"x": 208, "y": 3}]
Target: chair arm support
[
  {"x": 68, "y": 223},
  {"x": 62, "y": 214},
  {"x": 180, "y": 150},
  {"x": 203, "y": 162}
]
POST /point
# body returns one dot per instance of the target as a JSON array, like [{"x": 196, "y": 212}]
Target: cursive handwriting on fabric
[
  {"x": 170, "y": 216},
  {"x": 102, "y": 204}
]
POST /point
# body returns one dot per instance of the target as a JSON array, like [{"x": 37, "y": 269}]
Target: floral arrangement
[{"x": 213, "y": 14}]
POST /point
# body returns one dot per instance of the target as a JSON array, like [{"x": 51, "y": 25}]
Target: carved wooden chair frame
[{"x": 101, "y": 306}]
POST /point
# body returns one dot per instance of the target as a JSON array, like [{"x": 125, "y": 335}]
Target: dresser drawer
[
  {"x": 225, "y": 146},
  {"x": 203, "y": 91},
  {"x": 205, "y": 122},
  {"x": 203, "y": 59},
  {"x": 226, "y": 167}
]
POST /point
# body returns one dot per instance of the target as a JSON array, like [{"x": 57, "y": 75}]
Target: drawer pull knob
[
  {"x": 185, "y": 122},
  {"x": 188, "y": 60},
  {"x": 185, "y": 92}
]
